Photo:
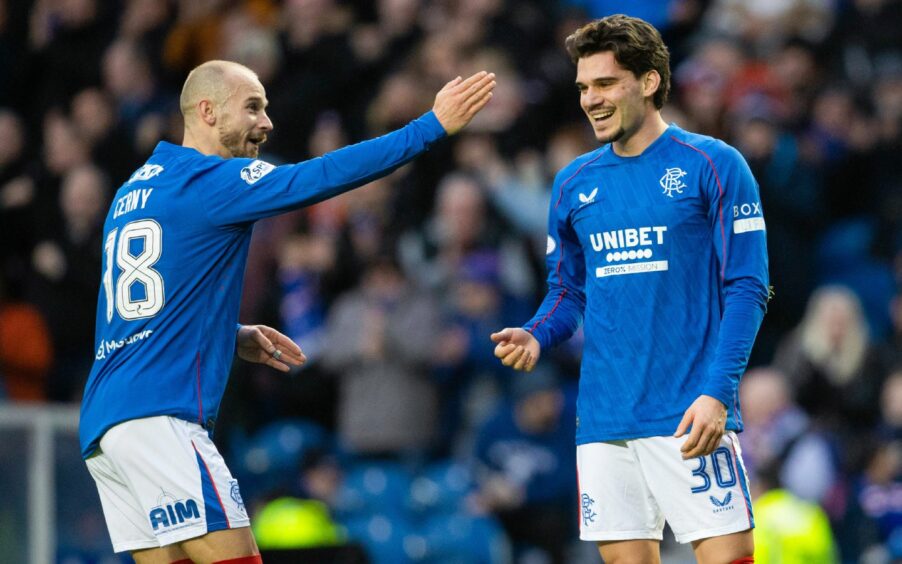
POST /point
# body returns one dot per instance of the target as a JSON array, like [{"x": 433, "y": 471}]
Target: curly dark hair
[{"x": 635, "y": 43}]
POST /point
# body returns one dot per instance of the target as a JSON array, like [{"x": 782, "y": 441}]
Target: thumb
[
  {"x": 503, "y": 335},
  {"x": 684, "y": 424}
]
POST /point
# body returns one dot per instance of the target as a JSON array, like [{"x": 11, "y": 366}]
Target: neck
[
  {"x": 203, "y": 144},
  {"x": 651, "y": 128}
]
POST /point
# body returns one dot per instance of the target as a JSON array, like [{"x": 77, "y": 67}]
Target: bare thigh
[
  {"x": 643, "y": 551},
  {"x": 218, "y": 545},
  {"x": 724, "y": 549}
]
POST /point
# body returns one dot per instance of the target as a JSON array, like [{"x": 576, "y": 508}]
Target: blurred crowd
[{"x": 393, "y": 289}]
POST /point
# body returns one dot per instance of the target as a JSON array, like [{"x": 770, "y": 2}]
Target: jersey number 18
[{"x": 135, "y": 269}]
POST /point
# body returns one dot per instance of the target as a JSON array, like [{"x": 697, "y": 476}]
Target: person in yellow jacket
[
  {"x": 289, "y": 522},
  {"x": 790, "y": 530}
]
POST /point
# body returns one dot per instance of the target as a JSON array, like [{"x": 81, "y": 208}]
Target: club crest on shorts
[
  {"x": 235, "y": 493},
  {"x": 588, "y": 514}
]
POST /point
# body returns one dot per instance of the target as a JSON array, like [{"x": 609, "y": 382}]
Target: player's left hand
[
  {"x": 708, "y": 418},
  {"x": 265, "y": 345}
]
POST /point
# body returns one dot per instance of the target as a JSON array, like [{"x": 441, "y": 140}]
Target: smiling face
[
  {"x": 224, "y": 106},
  {"x": 616, "y": 101},
  {"x": 242, "y": 122}
]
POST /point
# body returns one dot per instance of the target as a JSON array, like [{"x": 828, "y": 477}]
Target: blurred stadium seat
[{"x": 271, "y": 458}]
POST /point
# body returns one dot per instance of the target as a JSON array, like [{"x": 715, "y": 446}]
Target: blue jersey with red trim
[
  {"x": 176, "y": 244},
  {"x": 663, "y": 257}
]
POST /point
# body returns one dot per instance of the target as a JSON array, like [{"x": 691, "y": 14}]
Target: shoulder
[
  {"x": 578, "y": 164},
  {"x": 715, "y": 151}
]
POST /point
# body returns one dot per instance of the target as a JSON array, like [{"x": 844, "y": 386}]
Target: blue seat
[
  {"x": 387, "y": 538},
  {"x": 271, "y": 458},
  {"x": 460, "y": 538},
  {"x": 441, "y": 488},
  {"x": 371, "y": 487}
]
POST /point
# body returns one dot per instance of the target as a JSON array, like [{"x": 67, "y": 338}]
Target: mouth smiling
[{"x": 600, "y": 115}]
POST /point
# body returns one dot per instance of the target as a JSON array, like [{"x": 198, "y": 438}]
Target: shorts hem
[
  {"x": 708, "y": 533},
  {"x": 183, "y": 535},
  {"x": 602, "y": 536},
  {"x": 199, "y": 531},
  {"x": 128, "y": 546}
]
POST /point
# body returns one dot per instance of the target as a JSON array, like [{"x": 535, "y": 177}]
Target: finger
[
  {"x": 288, "y": 346},
  {"x": 513, "y": 357},
  {"x": 684, "y": 425},
  {"x": 476, "y": 103},
  {"x": 501, "y": 336},
  {"x": 471, "y": 80},
  {"x": 481, "y": 88},
  {"x": 263, "y": 341},
  {"x": 293, "y": 360},
  {"x": 713, "y": 443},
  {"x": 692, "y": 440},
  {"x": 707, "y": 446},
  {"x": 451, "y": 83},
  {"x": 475, "y": 108},
  {"x": 504, "y": 349},
  {"x": 477, "y": 92},
  {"x": 278, "y": 365},
  {"x": 524, "y": 361}
]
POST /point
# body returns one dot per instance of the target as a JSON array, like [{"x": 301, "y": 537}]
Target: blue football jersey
[
  {"x": 663, "y": 257},
  {"x": 176, "y": 244}
]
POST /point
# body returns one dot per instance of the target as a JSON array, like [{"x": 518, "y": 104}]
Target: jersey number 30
[{"x": 136, "y": 268}]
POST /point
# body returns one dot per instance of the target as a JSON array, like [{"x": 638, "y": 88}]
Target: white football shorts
[
  {"x": 627, "y": 489},
  {"x": 162, "y": 481}
]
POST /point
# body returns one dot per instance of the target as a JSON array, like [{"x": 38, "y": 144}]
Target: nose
[
  {"x": 266, "y": 123},
  {"x": 592, "y": 97}
]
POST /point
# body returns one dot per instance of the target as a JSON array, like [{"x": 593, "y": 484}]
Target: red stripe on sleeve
[{"x": 723, "y": 235}]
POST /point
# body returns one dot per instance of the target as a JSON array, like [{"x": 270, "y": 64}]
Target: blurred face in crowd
[
  {"x": 836, "y": 313},
  {"x": 82, "y": 195},
  {"x": 241, "y": 118},
  {"x": 461, "y": 210},
  {"x": 539, "y": 411},
  {"x": 614, "y": 99},
  {"x": 11, "y": 137}
]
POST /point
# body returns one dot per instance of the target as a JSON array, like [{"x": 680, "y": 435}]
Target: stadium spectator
[
  {"x": 833, "y": 369},
  {"x": 379, "y": 341},
  {"x": 17, "y": 194},
  {"x": 65, "y": 263},
  {"x": 523, "y": 457},
  {"x": 462, "y": 225},
  {"x": 788, "y": 529},
  {"x": 779, "y": 436}
]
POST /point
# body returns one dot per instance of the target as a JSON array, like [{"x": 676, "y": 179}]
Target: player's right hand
[
  {"x": 461, "y": 99},
  {"x": 517, "y": 348}
]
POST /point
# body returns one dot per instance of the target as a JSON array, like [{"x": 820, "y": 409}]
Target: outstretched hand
[
  {"x": 265, "y": 345},
  {"x": 517, "y": 348},
  {"x": 708, "y": 418},
  {"x": 461, "y": 99}
]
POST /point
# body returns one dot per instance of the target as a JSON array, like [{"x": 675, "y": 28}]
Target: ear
[
  {"x": 206, "y": 112},
  {"x": 651, "y": 83}
]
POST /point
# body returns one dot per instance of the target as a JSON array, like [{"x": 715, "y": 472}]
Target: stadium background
[{"x": 417, "y": 442}]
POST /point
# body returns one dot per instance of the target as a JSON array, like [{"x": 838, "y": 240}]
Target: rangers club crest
[{"x": 671, "y": 181}]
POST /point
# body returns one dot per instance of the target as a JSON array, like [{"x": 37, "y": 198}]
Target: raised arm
[{"x": 253, "y": 189}]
